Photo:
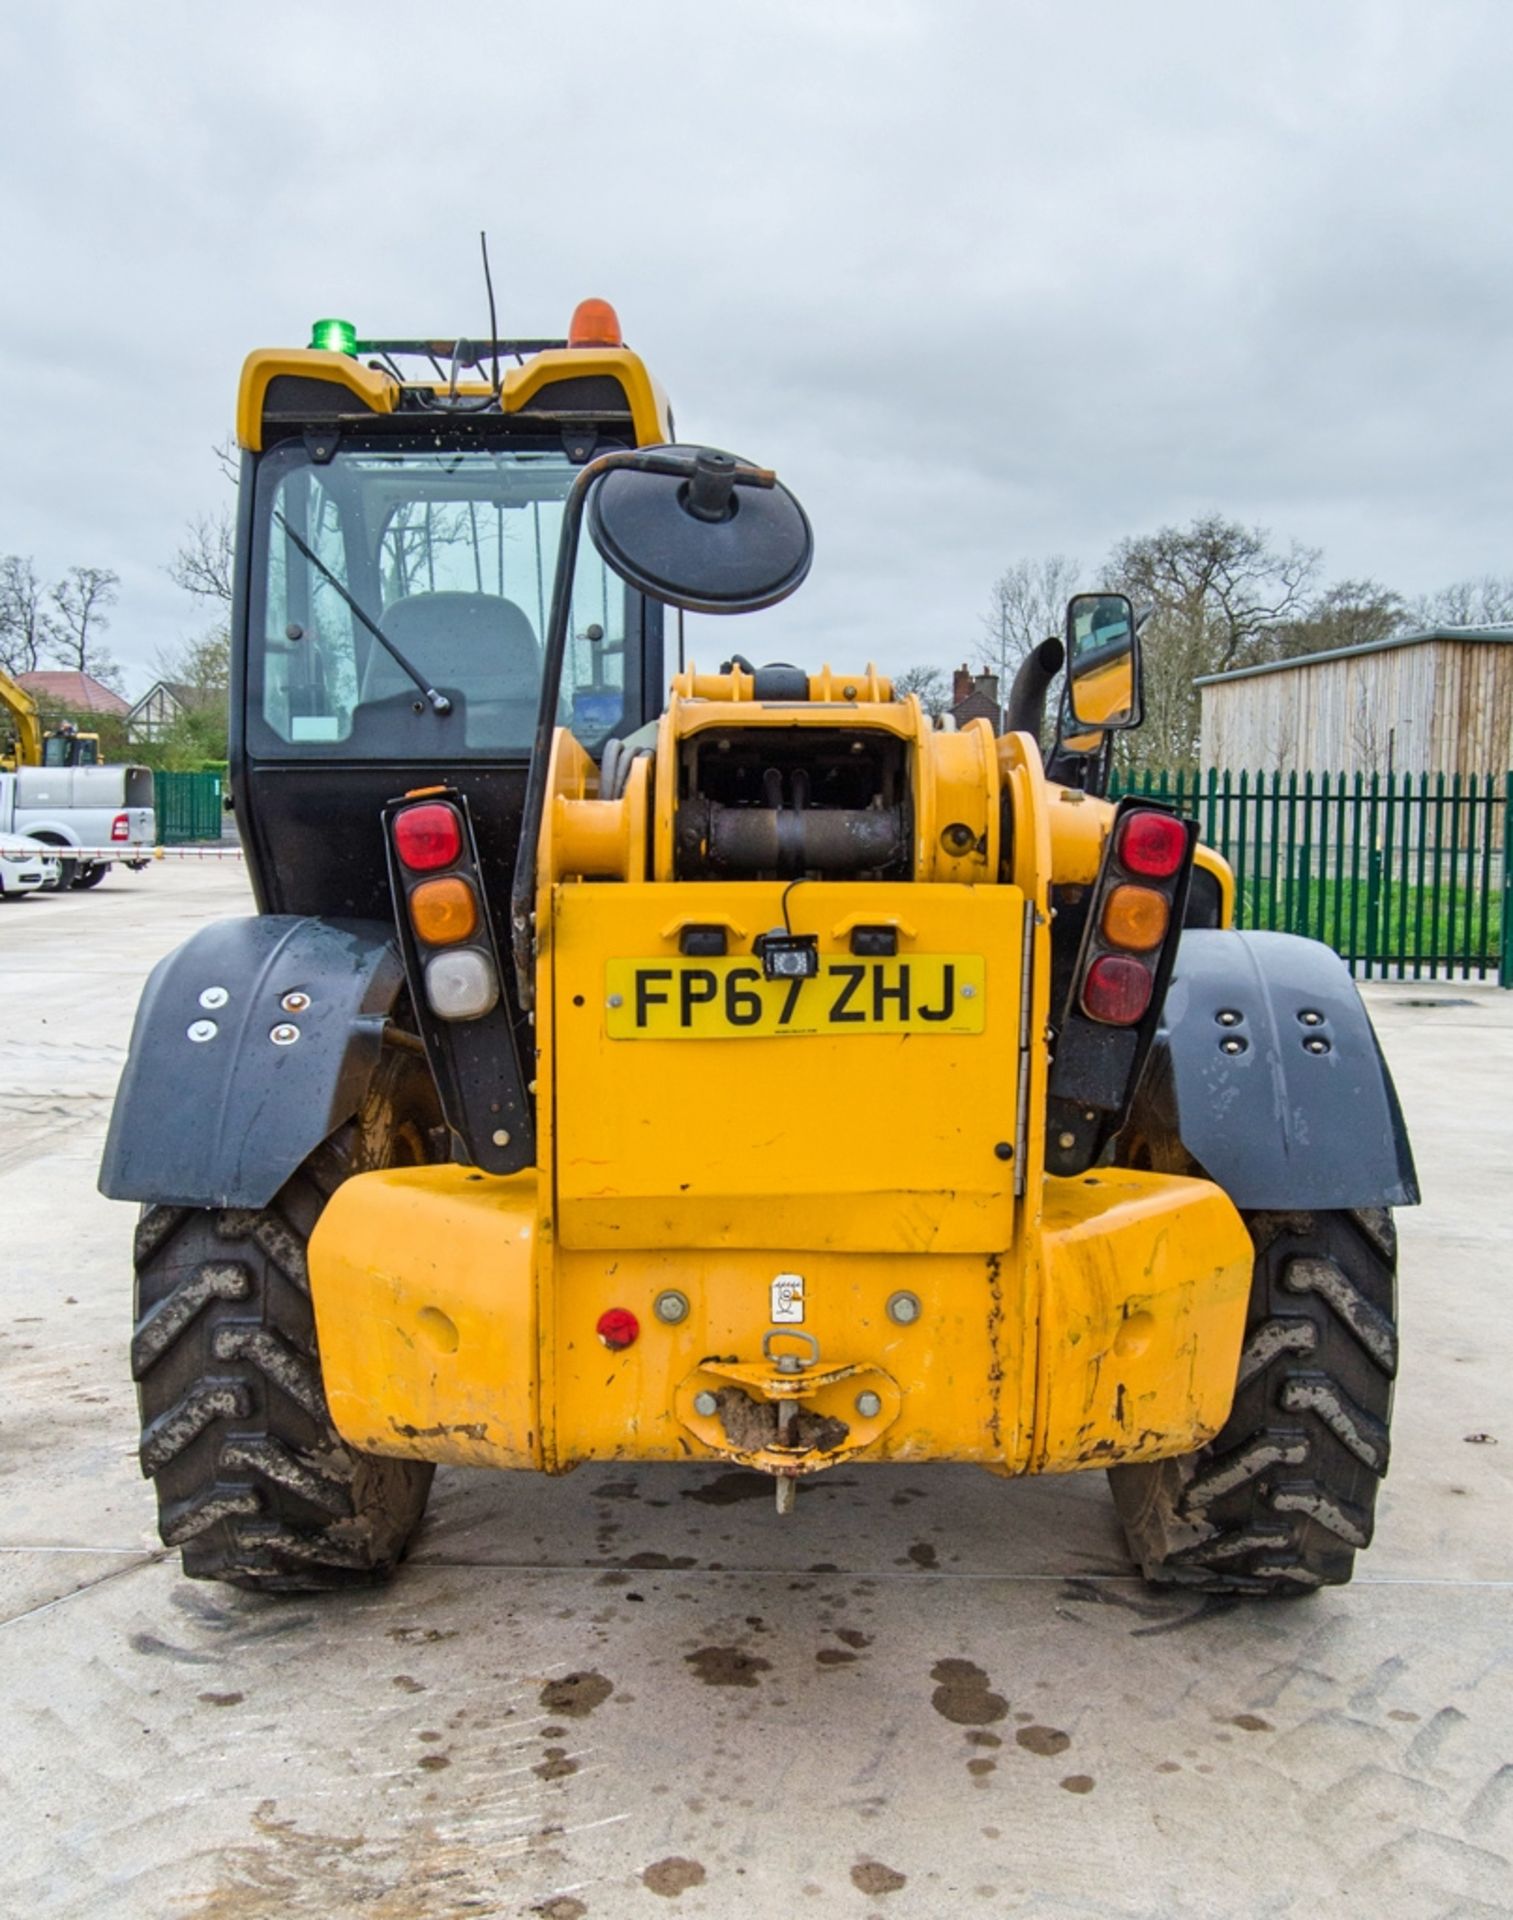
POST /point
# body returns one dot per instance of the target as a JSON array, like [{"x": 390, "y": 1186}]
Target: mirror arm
[
  {"x": 1024, "y": 711},
  {"x": 646, "y": 460}
]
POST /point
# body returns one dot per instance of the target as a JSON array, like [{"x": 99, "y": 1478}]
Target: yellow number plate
[{"x": 729, "y": 999}]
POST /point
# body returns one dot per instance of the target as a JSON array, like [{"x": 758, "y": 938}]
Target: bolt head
[
  {"x": 617, "y": 1000},
  {"x": 214, "y": 997},
  {"x": 869, "y": 1405},
  {"x": 670, "y": 1307},
  {"x": 284, "y": 1034},
  {"x": 295, "y": 1002},
  {"x": 904, "y": 1309},
  {"x": 705, "y": 1405},
  {"x": 501, "y": 1137},
  {"x": 202, "y": 1030},
  {"x": 1311, "y": 1017},
  {"x": 1066, "y": 1141},
  {"x": 1227, "y": 1017}
]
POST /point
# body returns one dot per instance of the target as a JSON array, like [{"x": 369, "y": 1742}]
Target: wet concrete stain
[
  {"x": 576, "y": 1695},
  {"x": 433, "y": 1762},
  {"x": 982, "y": 1767},
  {"x": 223, "y": 1699},
  {"x": 149, "y": 1643},
  {"x": 618, "y": 1490},
  {"x": 564, "y": 1907},
  {"x": 727, "y": 1488},
  {"x": 1046, "y": 1741},
  {"x": 853, "y": 1637},
  {"x": 406, "y": 1683},
  {"x": 924, "y": 1555},
  {"x": 1252, "y": 1723},
  {"x": 673, "y": 1876},
  {"x": 978, "y": 1737},
  {"x": 678, "y": 1562},
  {"x": 834, "y": 1657},
  {"x": 1079, "y": 1783},
  {"x": 555, "y": 1766},
  {"x": 962, "y": 1694},
  {"x": 871, "y": 1876},
  {"x": 421, "y": 1636},
  {"x": 727, "y": 1666}
]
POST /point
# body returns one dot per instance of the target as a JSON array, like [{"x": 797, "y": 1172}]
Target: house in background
[
  {"x": 1439, "y": 701},
  {"x": 975, "y": 696},
  {"x": 65, "y": 693},
  {"x": 158, "y": 711}
]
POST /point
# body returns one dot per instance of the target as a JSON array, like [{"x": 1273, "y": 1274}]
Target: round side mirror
[{"x": 702, "y": 539}]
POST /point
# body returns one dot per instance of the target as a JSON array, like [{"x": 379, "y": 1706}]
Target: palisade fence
[
  {"x": 1406, "y": 876},
  {"x": 188, "y": 807}
]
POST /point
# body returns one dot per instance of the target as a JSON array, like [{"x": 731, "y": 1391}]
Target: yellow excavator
[{"x": 28, "y": 745}]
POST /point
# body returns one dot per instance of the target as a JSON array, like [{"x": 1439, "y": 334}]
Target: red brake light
[
  {"x": 1117, "y": 990},
  {"x": 617, "y": 1327},
  {"x": 594, "y": 324},
  {"x": 1152, "y": 844},
  {"x": 428, "y": 836},
  {"x": 120, "y": 828}
]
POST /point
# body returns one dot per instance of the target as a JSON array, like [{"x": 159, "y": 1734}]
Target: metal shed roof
[{"x": 1486, "y": 636}]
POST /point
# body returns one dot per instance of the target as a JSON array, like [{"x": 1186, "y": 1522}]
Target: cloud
[{"x": 981, "y": 280}]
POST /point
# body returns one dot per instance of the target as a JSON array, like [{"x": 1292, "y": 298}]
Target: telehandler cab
[{"x": 758, "y": 1074}]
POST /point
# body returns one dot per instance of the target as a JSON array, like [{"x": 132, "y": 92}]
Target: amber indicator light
[
  {"x": 1135, "y": 918},
  {"x": 443, "y": 912}
]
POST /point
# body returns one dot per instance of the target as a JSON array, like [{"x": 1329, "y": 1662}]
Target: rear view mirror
[
  {"x": 1103, "y": 662},
  {"x": 703, "y": 531}
]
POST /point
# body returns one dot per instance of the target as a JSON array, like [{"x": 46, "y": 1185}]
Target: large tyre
[
  {"x": 1282, "y": 1499},
  {"x": 254, "y": 1484},
  {"x": 89, "y": 873}
]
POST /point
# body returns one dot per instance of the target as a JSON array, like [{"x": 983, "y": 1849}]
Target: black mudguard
[
  {"x": 1277, "y": 1122},
  {"x": 222, "y": 1121}
]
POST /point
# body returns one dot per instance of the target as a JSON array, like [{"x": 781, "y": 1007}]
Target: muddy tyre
[
  {"x": 1284, "y": 1497},
  {"x": 254, "y": 1484}
]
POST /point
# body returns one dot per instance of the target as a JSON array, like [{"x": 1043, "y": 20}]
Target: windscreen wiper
[{"x": 439, "y": 701}]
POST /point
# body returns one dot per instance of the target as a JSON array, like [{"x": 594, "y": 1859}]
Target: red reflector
[
  {"x": 1116, "y": 991},
  {"x": 1151, "y": 844},
  {"x": 429, "y": 836},
  {"x": 617, "y": 1327},
  {"x": 120, "y": 828}
]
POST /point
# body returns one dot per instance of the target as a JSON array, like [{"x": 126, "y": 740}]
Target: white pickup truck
[{"x": 86, "y": 807}]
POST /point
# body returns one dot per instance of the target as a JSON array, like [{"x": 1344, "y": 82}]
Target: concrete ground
[{"x": 636, "y": 1690}]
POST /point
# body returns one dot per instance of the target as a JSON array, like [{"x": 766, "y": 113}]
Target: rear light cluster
[
  {"x": 446, "y": 916},
  {"x": 1132, "y": 916},
  {"x": 120, "y": 827}
]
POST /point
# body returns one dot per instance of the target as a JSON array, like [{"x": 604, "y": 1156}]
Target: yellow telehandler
[{"x": 752, "y": 1072}]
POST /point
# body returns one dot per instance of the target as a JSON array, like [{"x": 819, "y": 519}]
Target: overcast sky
[{"x": 982, "y": 281}]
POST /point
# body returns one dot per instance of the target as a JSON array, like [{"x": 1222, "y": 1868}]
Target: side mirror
[
  {"x": 1103, "y": 664},
  {"x": 701, "y": 530}
]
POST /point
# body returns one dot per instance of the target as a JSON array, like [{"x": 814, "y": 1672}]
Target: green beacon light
[{"x": 334, "y": 336}]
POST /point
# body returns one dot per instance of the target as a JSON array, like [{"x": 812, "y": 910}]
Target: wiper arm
[{"x": 439, "y": 701}]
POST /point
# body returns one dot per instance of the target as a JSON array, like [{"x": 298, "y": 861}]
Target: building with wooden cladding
[{"x": 1439, "y": 701}]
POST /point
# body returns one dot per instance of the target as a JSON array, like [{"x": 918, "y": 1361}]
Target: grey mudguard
[
  {"x": 224, "y": 1119},
  {"x": 1277, "y": 1122}
]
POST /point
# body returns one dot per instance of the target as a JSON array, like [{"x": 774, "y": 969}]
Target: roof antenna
[{"x": 488, "y": 281}]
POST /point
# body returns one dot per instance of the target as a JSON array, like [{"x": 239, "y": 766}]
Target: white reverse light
[{"x": 461, "y": 985}]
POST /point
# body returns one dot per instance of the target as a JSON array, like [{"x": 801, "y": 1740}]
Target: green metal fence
[
  {"x": 1407, "y": 876},
  {"x": 188, "y": 807}
]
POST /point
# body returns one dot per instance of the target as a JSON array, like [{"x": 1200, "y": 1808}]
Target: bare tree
[
  {"x": 1028, "y": 605},
  {"x": 1487, "y": 602},
  {"x": 202, "y": 565},
  {"x": 1221, "y": 595},
  {"x": 932, "y": 686},
  {"x": 201, "y": 666},
  {"x": 1351, "y": 613},
  {"x": 81, "y": 603},
  {"x": 23, "y": 621}
]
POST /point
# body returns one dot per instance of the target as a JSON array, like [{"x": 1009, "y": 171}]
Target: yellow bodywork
[
  {"x": 880, "y": 1155},
  {"x": 379, "y": 392}
]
